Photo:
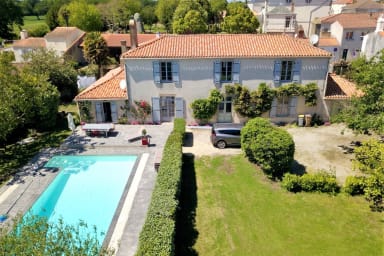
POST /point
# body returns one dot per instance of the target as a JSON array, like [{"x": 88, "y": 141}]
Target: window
[
  {"x": 286, "y": 70},
  {"x": 362, "y": 35},
  {"x": 166, "y": 72},
  {"x": 226, "y": 71},
  {"x": 308, "y": 1},
  {"x": 349, "y": 36},
  {"x": 287, "y": 22},
  {"x": 288, "y": 1},
  {"x": 282, "y": 108}
]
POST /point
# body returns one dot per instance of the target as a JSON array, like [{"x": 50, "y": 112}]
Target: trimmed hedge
[
  {"x": 158, "y": 233},
  {"x": 311, "y": 182},
  {"x": 355, "y": 185},
  {"x": 270, "y": 147}
]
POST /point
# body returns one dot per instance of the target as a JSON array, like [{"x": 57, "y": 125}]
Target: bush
[
  {"x": 39, "y": 30},
  {"x": 157, "y": 235},
  {"x": 355, "y": 185},
  {"x": 374, "y": 190},
  {"x": 316, "y": 182},
  {"x": 270, "y": 147}
]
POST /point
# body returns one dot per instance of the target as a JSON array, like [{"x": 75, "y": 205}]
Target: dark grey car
[{"x": 226, "y": 134}]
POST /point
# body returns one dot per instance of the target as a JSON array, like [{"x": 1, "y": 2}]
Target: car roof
[{"x": 227, "y": 126}]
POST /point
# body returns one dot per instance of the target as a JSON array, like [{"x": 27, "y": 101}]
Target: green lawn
[
  {"x": 30, "y": 22},
  {"x": 229, "y": 208}
]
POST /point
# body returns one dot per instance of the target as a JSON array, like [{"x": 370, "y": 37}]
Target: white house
[
  {"x": 373, "y": 42},
  {"x": 174, "y": 70}
]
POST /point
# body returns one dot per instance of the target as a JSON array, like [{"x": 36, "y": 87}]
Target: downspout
[{"x": 317, "y": 8}]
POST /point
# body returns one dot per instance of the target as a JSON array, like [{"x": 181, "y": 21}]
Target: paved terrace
[{"x": 18, "y": 195}]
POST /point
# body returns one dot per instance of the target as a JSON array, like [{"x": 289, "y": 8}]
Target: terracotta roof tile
[
  {"x": 353, "y": 20},
  {"x": 342, "y": 2},
  {"x": 225, "y": 46},
  {"x": 340, "y": 88},
  {"x": 113, "y": 40},
  {"x": 328, "y": 41},
  {"x": 31, "y": 42},
  {"x": 364, "y": 4},
  {"x": 107, "y": 87}
]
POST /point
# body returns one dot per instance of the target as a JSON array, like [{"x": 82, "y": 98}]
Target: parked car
[{"x": 226, "y": 134}]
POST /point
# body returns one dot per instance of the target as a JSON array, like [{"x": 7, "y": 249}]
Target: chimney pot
[{"x": 23, "y": 34}]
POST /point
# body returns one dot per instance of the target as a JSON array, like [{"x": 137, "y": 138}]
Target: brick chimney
[
  {"x": 123, "y": 46},
  {"x": 23, "y": 34},
  {"x": 133, "y": 33}
]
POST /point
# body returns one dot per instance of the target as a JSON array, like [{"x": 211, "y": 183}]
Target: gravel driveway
[{"x": 317, "y": 148}]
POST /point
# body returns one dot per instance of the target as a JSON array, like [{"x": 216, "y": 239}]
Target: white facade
[
  {"x": 196, "y": 78},
  {"x": 373, "y": 42}
]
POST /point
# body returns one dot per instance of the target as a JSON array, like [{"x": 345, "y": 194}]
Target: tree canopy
[
  {"x": 239, "y": 19},
  {"x": 367, "y": 112},
  {"x": 190, "y": 18},
  {"x": 10, "y": 13},
  {"x": 165, "y": 10},
  {"x": 95, "y": 49}
]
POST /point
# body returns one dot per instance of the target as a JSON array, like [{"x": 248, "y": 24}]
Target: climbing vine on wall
[{"x": 205, "y": 109}]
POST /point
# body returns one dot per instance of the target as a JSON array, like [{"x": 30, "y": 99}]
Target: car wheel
[{"x": 221, "y": 144}]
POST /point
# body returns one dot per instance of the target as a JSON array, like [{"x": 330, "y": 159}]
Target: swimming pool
[{"x": 87, "y": 188}]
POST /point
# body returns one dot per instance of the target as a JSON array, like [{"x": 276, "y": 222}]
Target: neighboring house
[
  {"x": 280, "y": 20},
  {"x": 105, "y": 97},
  {"x": 363, "y": 6},
  {"x": 65, "y": 41},
  {"x": 172, "y": 71},
  {"x": 348, "y": 29},
  {"x": 118, "y": 43},
  {"x": 302, "y": 12},
  {"x": 331, "y": 45},
  {"x": 373, "y": 42},
  {"x": 338, "y": 93},
  {"x": 338, "y": 5}
]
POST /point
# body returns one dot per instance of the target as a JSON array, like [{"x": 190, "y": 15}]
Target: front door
[
  {"x": 167, "y": 108},
  {"x": 225, "y": 111}
]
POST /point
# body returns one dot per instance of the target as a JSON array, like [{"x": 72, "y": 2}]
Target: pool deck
[{"x": 18, "y": 195}]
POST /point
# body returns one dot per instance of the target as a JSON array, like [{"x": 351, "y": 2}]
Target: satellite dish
[
  {"x": 314, "y": 39},
  {"x": 123, "y": 84}
]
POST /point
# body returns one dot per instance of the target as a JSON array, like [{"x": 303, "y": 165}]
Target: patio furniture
[{"x": 94, "y": 129}]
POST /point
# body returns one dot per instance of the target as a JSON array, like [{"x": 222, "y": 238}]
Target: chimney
[
  {"x": 380, "y": 23},
  {"x": 292, "y": 7},
  {"x": 123, "y": 46},
  {"x": 23, "y": 34},
  {"x": 133, "y": 32}
]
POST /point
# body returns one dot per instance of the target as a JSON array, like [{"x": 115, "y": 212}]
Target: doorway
[
  {"x": 167, "y": 108},
  {"x": 225, "y": 111}
]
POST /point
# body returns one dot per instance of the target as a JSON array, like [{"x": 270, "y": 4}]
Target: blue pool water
[{"x": 87, "y": 188}]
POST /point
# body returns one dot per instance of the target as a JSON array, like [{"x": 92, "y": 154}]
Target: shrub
[
  {"x": 39, "y": 30},
  {"x": 316, "y": 182},
  {"x": 157, "y": 235},
  {"x": 374, "y": 190},
  {"x": 205, "y": 109},
  {"x": 355, "y": 185},
  {"x": 270, "y": 147}
]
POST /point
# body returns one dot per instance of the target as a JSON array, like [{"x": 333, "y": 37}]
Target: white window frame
[
  {"x": 166, "y": 75},
  {"x": 286, "y": 70},
  {"x": 226, "y": 74}
]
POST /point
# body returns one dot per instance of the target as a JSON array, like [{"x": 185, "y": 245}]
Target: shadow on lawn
[{"x": 186, "y": 233}]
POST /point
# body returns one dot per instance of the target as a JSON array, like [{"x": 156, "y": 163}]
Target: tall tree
[
  {"x": 95, "y": 49},
  {"x": 367, "y": 112},
  {"x": 239, "y": 19},
  {"x": 165, "y": 10},
  {"x": 190, "y": 9},
  {"x": 10, "y": 13},
  {"x": 82, "y": 15},
  {"x": 52, "y": 16},
  {"x": 217, "y": 9},
  {"x": 29, "y": 7}
]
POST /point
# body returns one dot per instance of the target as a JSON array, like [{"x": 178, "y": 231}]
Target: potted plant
[{"x": 144, "y": 138}]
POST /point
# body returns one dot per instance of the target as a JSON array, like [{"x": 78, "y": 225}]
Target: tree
[
  {"x": 52, "y": 16},
  {"x": 82, "y": 15},
  {"x": 30, "y": 7},
  {"x": 217, "y": 9},
  {"x": 367, "y": 111},
  {"x": 147, "y": 15},
  {"x": 239, "y": 19},
  {"x": 10, "y": 13},
  {"x": 60, "y": 73},
  {"x": 95, "y": 49},
  {"x": 164, "y": 12},
  {"x": 189, "y": 17}
]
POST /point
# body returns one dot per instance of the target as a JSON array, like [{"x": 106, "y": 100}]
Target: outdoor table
[{"x": 102, "y": 127}]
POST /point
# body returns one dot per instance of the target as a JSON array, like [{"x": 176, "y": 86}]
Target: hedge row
[
  {"x": 157, "y": 235},
  {"x": 316, "y": 182}
]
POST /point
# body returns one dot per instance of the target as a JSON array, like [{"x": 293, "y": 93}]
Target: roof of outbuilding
[
  {"x": 340, "y": 88},
  {"x": 114, "y": 40},
  {"x": 107, "y": 87},
  {"x": 328, "y": 41},
  {"x": 30, "y": 42},
  {"x": 353, "y": 20},
  {"x": 63, "y": 32},
  {"x": 225, "y": 46}
]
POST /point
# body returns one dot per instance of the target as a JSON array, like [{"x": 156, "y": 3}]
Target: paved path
[{"x": 18, "y": 195}]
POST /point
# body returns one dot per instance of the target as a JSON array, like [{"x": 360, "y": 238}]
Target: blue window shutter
[
  {"x": 217, "y": 71},
  {"x": 236, "y": 71},
  {"x": 113, "y": 112},
  {"x": 175, "y": 73},
  {"x": 277, "y": 72},
  {"x": 99, "y": 112},
  {"x": 156, "y": 110},
  {"x": 292, "y": 106},
  {"x": 179, "y": 107},
  {"x": 156, "y": 72},
  {"x": 296, "y": 78},
  {"x": 272, "y": 113}
]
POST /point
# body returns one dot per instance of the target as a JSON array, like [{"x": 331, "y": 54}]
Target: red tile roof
[
  {"x": 353, "y": 20},
  {"x": 31, "y": 42},
  {"x": 107, "y": 87},
  {"x": 225, "y": 46},
  {"x": 113, "y": 40},
  {"x": 340, "y": 88},
  {"x": 328, "y": 41},
  {"x": 342, "y": 2}
]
